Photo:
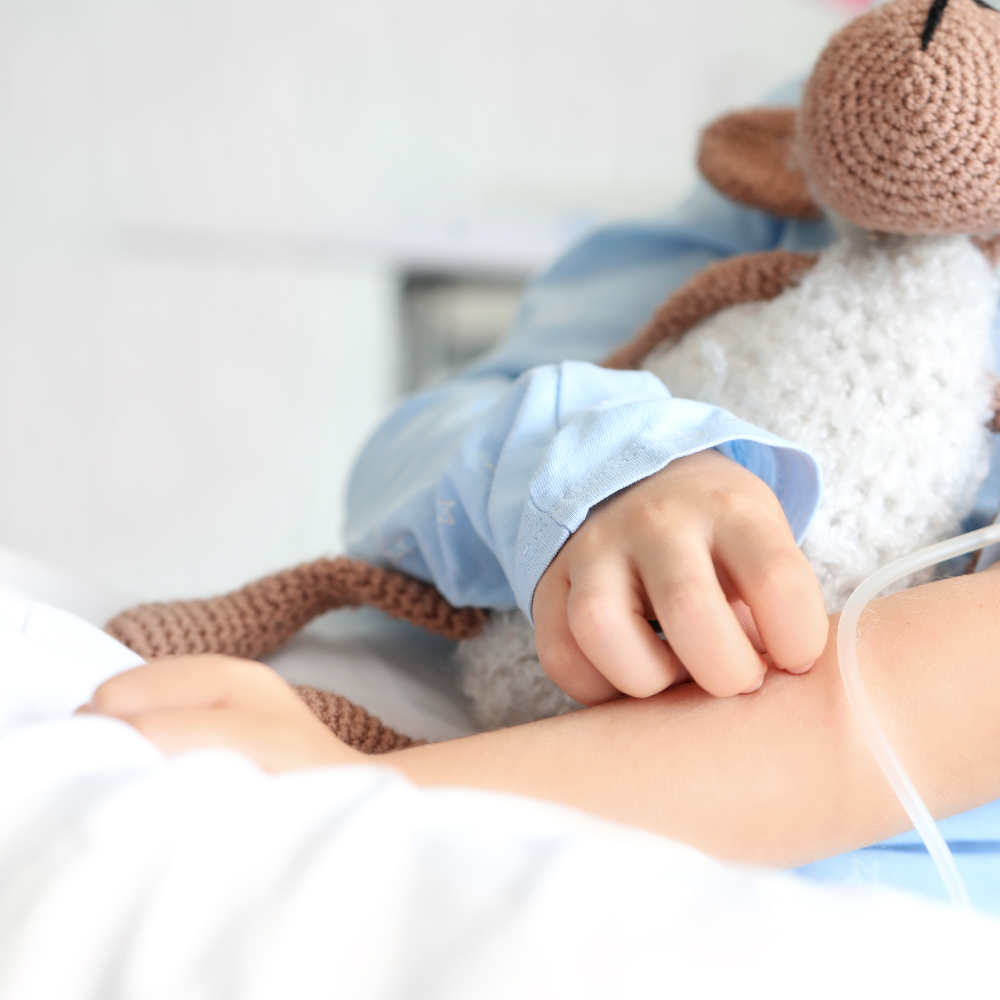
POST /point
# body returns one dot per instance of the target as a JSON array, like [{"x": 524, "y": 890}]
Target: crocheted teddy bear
[{"x": 874, "y": 354}]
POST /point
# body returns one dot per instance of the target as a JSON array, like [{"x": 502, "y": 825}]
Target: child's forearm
[{"x": 783, "y": 776}]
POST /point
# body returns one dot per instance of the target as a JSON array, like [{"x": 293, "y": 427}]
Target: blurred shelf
[{"x": 499, "y": 248}]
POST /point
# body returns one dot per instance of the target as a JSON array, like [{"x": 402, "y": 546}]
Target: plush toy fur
[
  {"x": 873, "y": 354},
  {"x": 503, "y": 678}
]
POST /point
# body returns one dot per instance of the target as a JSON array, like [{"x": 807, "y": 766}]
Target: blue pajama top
[{"x": 476, "y": 483}]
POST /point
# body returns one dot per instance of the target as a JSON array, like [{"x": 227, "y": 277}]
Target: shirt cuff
[{"x": 668, "y": 429}]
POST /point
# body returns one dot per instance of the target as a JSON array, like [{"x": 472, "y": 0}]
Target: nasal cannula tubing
[{"x": 847, "y": 651}]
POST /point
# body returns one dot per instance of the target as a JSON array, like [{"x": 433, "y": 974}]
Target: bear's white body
[{"x": 878, "y": 362}]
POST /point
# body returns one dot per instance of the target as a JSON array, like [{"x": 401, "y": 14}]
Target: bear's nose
[{"x": 934, "y": 16}]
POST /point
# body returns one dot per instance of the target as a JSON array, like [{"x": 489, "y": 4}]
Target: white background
[{"x": 205, "y": 207}]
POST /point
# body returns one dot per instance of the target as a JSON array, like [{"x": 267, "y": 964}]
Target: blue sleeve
[{"x": 477, "y": 483}]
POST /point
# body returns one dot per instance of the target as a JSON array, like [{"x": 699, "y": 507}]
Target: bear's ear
[{"x": 749, "y": 156}]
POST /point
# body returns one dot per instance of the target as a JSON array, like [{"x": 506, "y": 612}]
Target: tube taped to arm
[{"x": 485, "y": 516}]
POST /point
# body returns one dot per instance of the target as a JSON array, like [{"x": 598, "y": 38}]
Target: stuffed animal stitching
[{"x": 898, "y": 133}]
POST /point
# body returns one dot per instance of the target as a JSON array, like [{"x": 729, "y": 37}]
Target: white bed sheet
[
  {"x": 126, "y": 875},
  {"x": 400, "y": 673}
]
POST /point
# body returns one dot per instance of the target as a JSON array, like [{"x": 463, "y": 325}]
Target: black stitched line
[{"x": 935, "y": 14}]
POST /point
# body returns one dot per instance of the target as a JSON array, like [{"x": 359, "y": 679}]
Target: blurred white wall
[{"x": 205, "y": 205}]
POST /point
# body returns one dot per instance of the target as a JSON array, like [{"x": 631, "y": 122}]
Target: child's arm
[
  {"x": 782, "y": 777},
  {"x": 477, "y": 484}
]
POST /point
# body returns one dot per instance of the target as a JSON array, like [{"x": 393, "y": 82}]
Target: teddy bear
[{"x": 874, "y": 354}]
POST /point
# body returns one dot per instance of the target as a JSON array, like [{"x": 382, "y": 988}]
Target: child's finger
[
  {"x": 777, "y": 582},
  {"x": 745, "y": 617},
  {"x": 178, "y": 730},
  {"x": 558, "y": 652},
  {"x": 697, "y": 620},
  {"x": 275, "y": 741},
  {"x": 184, "y": 681},
  {"x": 607, "y": 619}
]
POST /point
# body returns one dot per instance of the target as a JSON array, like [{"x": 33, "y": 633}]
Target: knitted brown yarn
[
  {"x": 748, "y": 156},
  {"x": 994, "y": 424},
  {"x": 352, "y": 724},
  {"x": 990, "y": 248},
  {"x": 257, "y": 619},
  {"x": 905, "y": 139},
  {"x": 748, "y": 278}
]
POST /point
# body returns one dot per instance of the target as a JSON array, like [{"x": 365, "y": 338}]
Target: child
[{"x": 595, "y": 501}]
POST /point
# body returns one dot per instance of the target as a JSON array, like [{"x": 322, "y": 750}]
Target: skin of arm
[{"x": 781, "y": 777}]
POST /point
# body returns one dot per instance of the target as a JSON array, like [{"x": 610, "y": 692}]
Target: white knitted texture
[
  {"x": 502, "y": 677},
  {"x": 877, "y": 362}
]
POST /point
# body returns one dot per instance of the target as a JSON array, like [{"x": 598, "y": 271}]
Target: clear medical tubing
[{"x": 847, "y": 651}]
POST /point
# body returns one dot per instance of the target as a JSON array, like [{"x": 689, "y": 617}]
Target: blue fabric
[
  {"x": 477, "y": 483},
  {"x": 903, "y": 862}
]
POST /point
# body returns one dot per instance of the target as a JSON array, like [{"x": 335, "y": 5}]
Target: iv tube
[{"x": 847, "y": 651}]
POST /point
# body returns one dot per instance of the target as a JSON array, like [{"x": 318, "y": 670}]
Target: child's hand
[
  {"x": 189, "y": 702},
  {"x": 685, "y": 547}
]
